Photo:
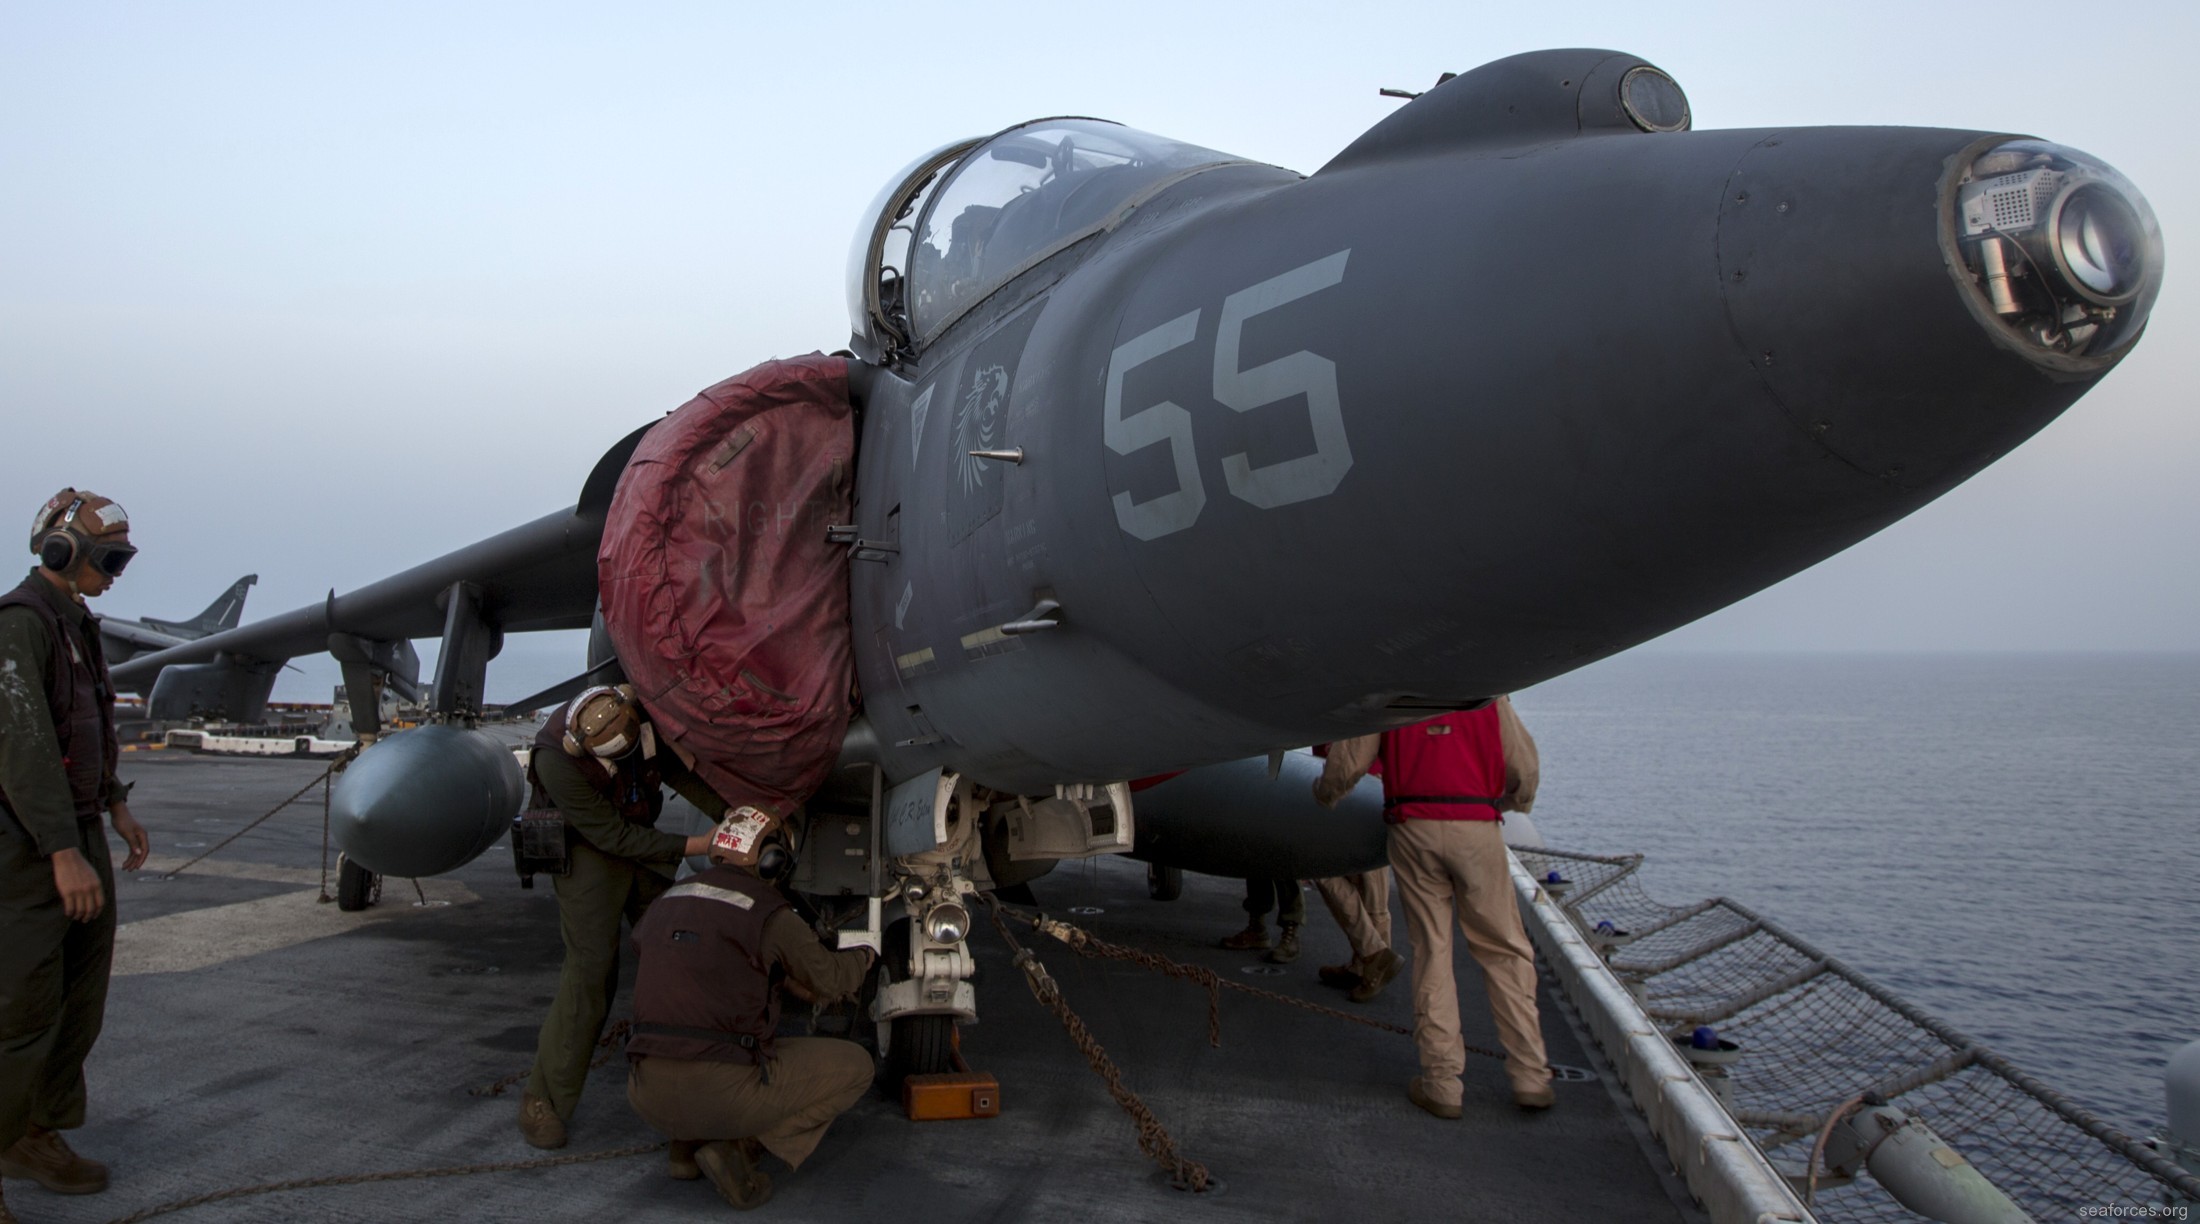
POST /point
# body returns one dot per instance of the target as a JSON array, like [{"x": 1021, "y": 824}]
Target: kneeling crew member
[
  {"x": 596, "y": 761},
  {"x": 706, "y": 1066}
]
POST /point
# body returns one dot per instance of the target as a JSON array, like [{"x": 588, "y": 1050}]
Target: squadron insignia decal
[
  {"x": 987, "y": 412},
  {"x": 978, "y": 422}
]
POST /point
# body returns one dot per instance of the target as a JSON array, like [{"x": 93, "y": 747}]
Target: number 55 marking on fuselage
[{"x": 1301, "y": 373}]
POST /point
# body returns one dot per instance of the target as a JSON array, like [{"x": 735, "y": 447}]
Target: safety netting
[{"x": 1815, "y": 1035}]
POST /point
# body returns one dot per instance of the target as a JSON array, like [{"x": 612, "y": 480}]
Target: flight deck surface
[{"x": 257, "y": 1035}]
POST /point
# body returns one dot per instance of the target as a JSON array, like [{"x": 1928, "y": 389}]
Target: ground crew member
[
  {"x": 1447, "y": 783},
  {"x": 57, "y": 777},
  {"x": 597, "y": 760},
  {"x": 1361, "y": 905},
  {"x": 707, "y": 1069},
  {"x": 1282, "y": 896}
]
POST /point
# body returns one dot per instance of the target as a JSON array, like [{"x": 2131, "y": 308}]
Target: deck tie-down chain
[
  {"x": 321, "y": 780},
  {"x": 1085, "y": 943},
  {"x": 1153, "y": 1138}
]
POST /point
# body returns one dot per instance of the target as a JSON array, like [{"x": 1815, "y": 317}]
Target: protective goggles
[{"x": 110, "y": 559}]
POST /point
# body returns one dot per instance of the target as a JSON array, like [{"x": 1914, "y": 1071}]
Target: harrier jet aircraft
[
  {"x": 1164, "y": 459},
  {"x": 122, "y": 638}
]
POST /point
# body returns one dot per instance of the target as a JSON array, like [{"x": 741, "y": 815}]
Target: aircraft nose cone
[
  {"x": 1649, "y": 375},
  {"x": 425, "y": 801},
  {"x": 1917, "y": 302}
]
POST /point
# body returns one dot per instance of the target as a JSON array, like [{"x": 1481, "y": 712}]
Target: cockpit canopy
[{"x": 969, "y": 217}]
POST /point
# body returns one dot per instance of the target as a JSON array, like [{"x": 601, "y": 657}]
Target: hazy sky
[{"x": 323, "y": 291}]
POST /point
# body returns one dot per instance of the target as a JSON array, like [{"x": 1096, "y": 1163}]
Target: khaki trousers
[
  {"x": 1361, "y": 905},
  {"x": 813, "y": 1080},
  {"x": 1455, "y": 870}
]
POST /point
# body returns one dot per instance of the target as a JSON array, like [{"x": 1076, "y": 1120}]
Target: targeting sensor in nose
[{"x": 2064, "y": 249}]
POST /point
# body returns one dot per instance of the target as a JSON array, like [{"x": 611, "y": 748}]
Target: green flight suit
[
  {"x": 618, "y": 867},
  {"x": 53, "y": 972}
]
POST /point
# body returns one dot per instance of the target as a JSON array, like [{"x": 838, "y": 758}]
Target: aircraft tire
[
  {"x": 919, "y": 1045},
  {"x": 356, "y": 887},
  {"x": 912, "y": 1045},
  {"x": 1164, "y": 883}
]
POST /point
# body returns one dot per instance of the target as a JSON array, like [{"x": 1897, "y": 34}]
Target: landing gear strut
[{"x": 914, "y": 1044}]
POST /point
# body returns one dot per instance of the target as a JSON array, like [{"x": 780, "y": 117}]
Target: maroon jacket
[
  {"x": 703, "y": 989},
  {"x": 79, "y": 698}
]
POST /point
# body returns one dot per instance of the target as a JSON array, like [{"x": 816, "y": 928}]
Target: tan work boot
[
  {"x": 1342, "y": 977},
  {"x": 1377, "y": 973},
  {"x": 1535, "y": 1098},
  {"x": 680, "y": 1160},
  {"x": 1419, "y": 1096},
  {"x": 539, "y": 1124},
  {"x": 1287, "y": 945},
  {"x": 731, "y": 1166},
  {"x": 44, "y": 1157},
  {"x": 1252, "y": 939}
]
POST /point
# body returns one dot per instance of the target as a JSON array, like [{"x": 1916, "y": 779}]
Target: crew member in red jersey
[{"x": 1447, "y": 784}]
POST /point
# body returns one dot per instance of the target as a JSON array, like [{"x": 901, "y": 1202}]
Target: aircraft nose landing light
[{"x": 2065, "y": 249}]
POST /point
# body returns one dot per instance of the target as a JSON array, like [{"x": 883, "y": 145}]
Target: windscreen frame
[{"x": 928, "y": 330}]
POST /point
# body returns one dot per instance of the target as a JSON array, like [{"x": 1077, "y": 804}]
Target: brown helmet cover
[
  {"x": 739, "y": 838},
  {"x": 82, "y": 513},
  {"x": 605, "y": 721}
]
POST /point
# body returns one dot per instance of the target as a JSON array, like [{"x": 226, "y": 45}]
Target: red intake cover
[{"x": 728, "y": 607}]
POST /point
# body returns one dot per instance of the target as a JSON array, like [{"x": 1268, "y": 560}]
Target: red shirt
[{"x": 1451, "y": 767}]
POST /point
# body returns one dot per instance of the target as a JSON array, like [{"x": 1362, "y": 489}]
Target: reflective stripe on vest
[{"x": 710, "y": 892}]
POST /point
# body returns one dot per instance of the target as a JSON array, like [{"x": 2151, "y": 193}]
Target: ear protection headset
[
  {"x": 60, "y": 543},
  {"x": 775, "y": 860},
  {"x": 58, "y": 550}
]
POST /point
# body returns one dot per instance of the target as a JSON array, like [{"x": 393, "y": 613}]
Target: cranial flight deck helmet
[
  {"x": 752, "y": 838},
  {"x": 607, "y": 722},
  {"x": 76, "y": 525}
]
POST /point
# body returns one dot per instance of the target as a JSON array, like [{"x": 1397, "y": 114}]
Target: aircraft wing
[
  {"x": 539, "y": 575},
  {"x": 133, "y": 637}
]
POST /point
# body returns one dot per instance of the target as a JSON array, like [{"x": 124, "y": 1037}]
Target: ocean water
[{"x": 2012, "y": 842}]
